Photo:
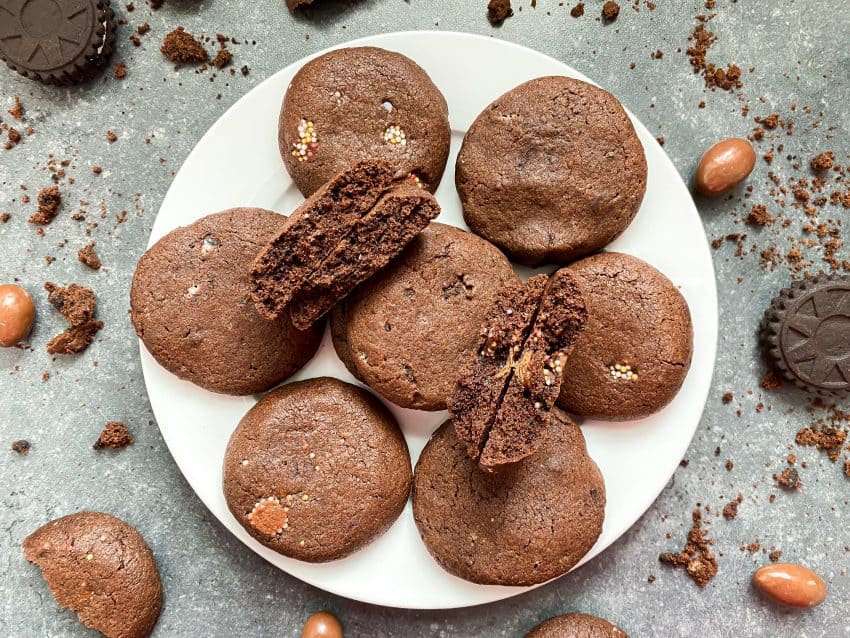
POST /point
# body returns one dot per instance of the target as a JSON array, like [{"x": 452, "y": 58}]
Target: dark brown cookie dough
[
  {"x": 408, "y": 331},
  {"x": 576, "y": 626},
  {"x": 190, "y": 304},
  {"x": 101, "y": 568},
  {"x": 358, "y": 103},
  {"x": 635, "y": 351},
  {"x": 524, "y": 526},
  {"x": 501, "y": 403},
  {"x": 316, "y": 470},
  {"x": 551, "y": 171}
]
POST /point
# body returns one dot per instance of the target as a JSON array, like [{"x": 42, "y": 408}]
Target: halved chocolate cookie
[
  {"x": 342, "y": 235},
  {"x": 501, "y": 403}
]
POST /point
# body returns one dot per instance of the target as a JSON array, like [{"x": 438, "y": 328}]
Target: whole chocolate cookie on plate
[
  {"x": 551, "y": 171},
  {"x": 408, "y": 331},
  {"x": 190, "y": 303},
  {"x": 316, "y": 470},
  {"x": 635, "y": 351},
  {"x": 101, "y": 568},
  {"x": 576, "y": 626},
  {"x": 363, "y": 103},
  {"x": 523, "y": 526}
]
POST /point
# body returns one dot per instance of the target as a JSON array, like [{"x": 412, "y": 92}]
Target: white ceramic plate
[{"x": 636, "y": 458}]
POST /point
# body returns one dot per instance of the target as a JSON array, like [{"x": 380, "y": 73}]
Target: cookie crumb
[
  {"x": 771, "y": 381},
  {"x": 21, "y": 447},
  {"x": 728, "y": 397},
  {"x": 49, "y": 203},
  {"x": 77, "y": 305},
  {"x": 610, "y": 11},
  {"x": 730, "y": 510},
  {"x": 111, "y": 137},
  {"x": 759, "y": 216},
  {"x": 89, "y": 257},
  {"x": 696, "y": 557},
  {"x": 498, "y": 11},
  {"x": 223, "y": 58},
  {"x": 789, "y": 479},
  {"x": 774, "y": 555},
  {"x": 114, "y": 435},
  {"x": 17, "y": 110},
  {"x": 182, "y": 48},
  {"x": 120, "y": 71},
  {"x": 578, "y": 10},
  {"x": 823, "y": 162}
]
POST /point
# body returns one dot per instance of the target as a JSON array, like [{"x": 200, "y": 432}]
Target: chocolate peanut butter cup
[
  {"x": 56, "y": 42},
  {"x": 806, "y": 334}
]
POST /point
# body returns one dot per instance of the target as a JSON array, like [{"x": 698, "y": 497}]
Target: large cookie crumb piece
[
  {"x": 312, "y": 232},
  {"x": 526, "y": 525},
  {"x": 498, "y": 11},
  {"x": 49, "y": 203},
  {"x": 77, "y": 305},
  {"x": 576, "y": 626},
  {"x": 114, "y": 435},
  {"x": 101, "y": 568},
  {"x": 21, "y": 447},
  {"x": 696, "y": 557},
  {"x": 372, "y": 242},
  {"x": 88, "y": 257},
  {"x": 182, "y": 48},
  {"x": 501, "y": 405}
]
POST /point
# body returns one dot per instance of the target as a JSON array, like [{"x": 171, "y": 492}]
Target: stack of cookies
[{"x": 426, "y": 316}]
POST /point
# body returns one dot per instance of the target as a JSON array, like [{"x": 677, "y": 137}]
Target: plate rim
[{"x": 381, "y": 40}]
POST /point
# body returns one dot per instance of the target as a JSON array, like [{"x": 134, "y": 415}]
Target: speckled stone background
[{"x": 217, "y": 587}]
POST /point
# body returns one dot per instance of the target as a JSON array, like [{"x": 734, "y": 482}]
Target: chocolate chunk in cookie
[
  {"x": 635, "y": 352},
  {"x": 191, "y": 305},
  {"x": 372, "y": 242},
  {"x": 551, "y": 171},
  {"x": 805, "y": 334},
  {"x": 408, "y": 331},
  {"x": 523, "y": 526},
  {"x": 501, "y": 403},
  {"x": 316, "y": 470},
  {"x": 358, "y": 103},
  {"x": 101, "y": 568},
  {"x": 577, "y": 626}
]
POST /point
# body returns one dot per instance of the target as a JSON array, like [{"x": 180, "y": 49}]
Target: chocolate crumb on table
[
  {"x": 89, "y": 257},
  {"x": 120, "y": 71},
  {"x": 730, "y": 510},
  {"x": 823, "y": 162},
  {"x": 578, "y": 10},
  {"x": 771, "y": 381},
  {"x": 183, "y": 48},
  {"x": 789, "y": 479},
  {"x": 21, "y": 447},
  {"x": 111, "y": 137},
  {"x": 827, "y": 438},
  {"x": 498, "y": 11},
  {"x": 610, "y": 11},
  {"x": 223, "y": 58},
  {"x": 77, "y": 305},
  {"x": 696, "y": 557},
  {"x": 774, "y": 555},
  {"x": 17, "y": 111},
  {"x": 759, "y": 216},
  {"x": 114, "y": 435},
  {"x": 49, "y": 203},
  {"x": 728, "y": 397}
]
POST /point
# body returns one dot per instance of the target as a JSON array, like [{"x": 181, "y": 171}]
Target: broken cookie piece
[
  {"x": 77, "y": 305},
  {"x": 373, "y": 241},
  {"x": 101, "y": 568},
  {"x": 114, "y": 435},
  {"x": 501, "y": 405},
  {"x": 342, "y": 235}
]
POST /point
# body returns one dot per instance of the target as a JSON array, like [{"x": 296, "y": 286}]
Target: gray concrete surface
[{"x": 217, "y": 587}]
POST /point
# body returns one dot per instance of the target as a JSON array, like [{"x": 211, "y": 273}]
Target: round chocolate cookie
[
  {"x": 551, "y": 171},
  {"x": 408, "y": 331},
  {"x": 316, "y": 470},
  {"x": 191, "y": 306},
  {"x": 576, "y": 626},
  {"x": 525, "y": 525},
  {"x": 635, "y": 351},
  {"x": 363, "y": 103},
  {"x": 101, "y": 568},
  {"x": 56, "y": 42},
  {"x": 806, "y": 334}
]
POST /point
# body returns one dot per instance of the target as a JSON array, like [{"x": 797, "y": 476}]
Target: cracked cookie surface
[
  {"x": 635, "y": 352},
  {"x": 551, "y": 171}
]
